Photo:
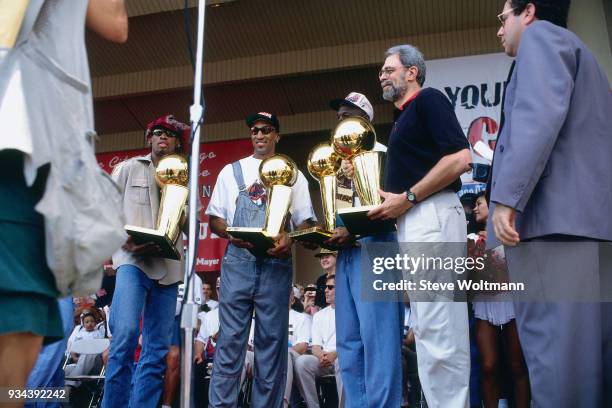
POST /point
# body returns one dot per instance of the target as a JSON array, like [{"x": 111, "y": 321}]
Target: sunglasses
[
  {"x": 266, "y": 130},
  {"x": 160, "y": 132},
  {"x": 330, "y": 287}
]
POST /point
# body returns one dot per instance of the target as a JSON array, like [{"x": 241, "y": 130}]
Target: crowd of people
[{"x": 268, "y": 341}]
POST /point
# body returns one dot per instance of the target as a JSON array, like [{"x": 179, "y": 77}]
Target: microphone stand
[{"x": 189, "y": 313}]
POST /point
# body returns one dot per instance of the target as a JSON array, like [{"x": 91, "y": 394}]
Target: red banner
[{"x": 213, "y": 156}]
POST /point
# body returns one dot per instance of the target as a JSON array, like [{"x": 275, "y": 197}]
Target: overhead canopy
[{"x": 285, "y": 56}]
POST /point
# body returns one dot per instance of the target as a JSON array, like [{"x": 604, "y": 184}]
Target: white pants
[{"x": 441, "y": 329}]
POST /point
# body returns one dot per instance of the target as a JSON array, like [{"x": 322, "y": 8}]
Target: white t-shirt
[
  {"x": 212, "y": 304},
  {"x": 223, "y": 201},
  {"x": 324, "y": 329},
  {"x": 209, "y": 326},
  {"x": 79, "y": 333},
  {"x": 299, "y": 328}
]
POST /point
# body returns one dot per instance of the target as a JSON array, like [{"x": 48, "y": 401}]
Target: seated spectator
[
  {"x": 299, "y": 337},
  {"x": 89, "y": 328},
  {"x": 323, "y": 360}
]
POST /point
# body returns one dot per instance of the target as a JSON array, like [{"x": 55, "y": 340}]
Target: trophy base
[
  {"x": 314, "y": 235},
  {"x": 256, "y": 236},
  {"x": 356, "y": 221},
  {"x": 143, "y": 235}
]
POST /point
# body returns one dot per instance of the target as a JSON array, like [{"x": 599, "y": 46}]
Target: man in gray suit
[{"x": 552, "y": 192}]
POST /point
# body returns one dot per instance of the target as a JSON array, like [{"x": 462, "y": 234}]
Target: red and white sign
[
  {"x": 213, "y": 156},
  {"x": 474, "y": 85}
]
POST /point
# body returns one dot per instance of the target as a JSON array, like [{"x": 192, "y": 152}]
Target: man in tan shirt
[{"x": 146, "y": 284}]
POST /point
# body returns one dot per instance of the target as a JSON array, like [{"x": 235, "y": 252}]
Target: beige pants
[{"x": 440, "y": 328}]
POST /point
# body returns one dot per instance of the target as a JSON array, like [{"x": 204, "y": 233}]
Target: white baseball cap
[{"x": 356, "y": 100}]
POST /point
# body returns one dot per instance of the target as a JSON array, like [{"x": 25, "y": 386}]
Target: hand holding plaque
[
  {"x": 353, "y": 139},
  {"x": 323, "y": 164},
  {"x": 278, "y": 174},
  {"x": 172, "y": 176}
]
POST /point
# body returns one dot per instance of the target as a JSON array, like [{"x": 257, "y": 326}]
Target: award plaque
[
  {"x": 323, "y": 164},
  {"x": 257, "y": 236},
  {"x": 171, "y": 175},
  {"x": 278, "y": 173},
  {"x": 356, "y": 221},
  {"x": 353, "y": 139}
]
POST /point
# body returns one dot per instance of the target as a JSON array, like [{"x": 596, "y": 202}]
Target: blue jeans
[
  {"x": 368, "y": 340},
  {"x": 136, "y": 295}
]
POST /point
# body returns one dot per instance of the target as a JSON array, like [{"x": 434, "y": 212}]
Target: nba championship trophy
[
  {"x": 353, "y": 139},
  {"x": 171, "y": 175},
  {"x": 323, "y": 164},
  {"x": 278, "y": 173}
]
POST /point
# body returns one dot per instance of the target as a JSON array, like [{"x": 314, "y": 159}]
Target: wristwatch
[{"x": 411, "y": 197}]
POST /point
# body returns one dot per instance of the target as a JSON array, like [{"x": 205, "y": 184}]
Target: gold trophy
[
  {"x": 172, "y": 176},
  {"x": 353, "y": 139},
  {"x": 323, "y": 164},
  {"x": 278, "y": 173}
]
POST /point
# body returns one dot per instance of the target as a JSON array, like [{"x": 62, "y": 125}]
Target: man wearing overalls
[{"x": 250, "y": 283}]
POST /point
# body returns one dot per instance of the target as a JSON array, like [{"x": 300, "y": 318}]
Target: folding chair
[
  {"x": 327, "y": 391},
  {"x": 92, "y": 382},
  {"x": 246, "y": 390}
]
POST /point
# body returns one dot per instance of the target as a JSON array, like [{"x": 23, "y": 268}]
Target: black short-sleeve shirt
[{"x": 424, "y": 131}]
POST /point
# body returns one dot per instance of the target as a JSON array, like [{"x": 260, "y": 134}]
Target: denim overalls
[{"x": 251, "y": 284}]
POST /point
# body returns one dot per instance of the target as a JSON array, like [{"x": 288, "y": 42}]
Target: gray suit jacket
[{"x": 553, "y": 159}]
